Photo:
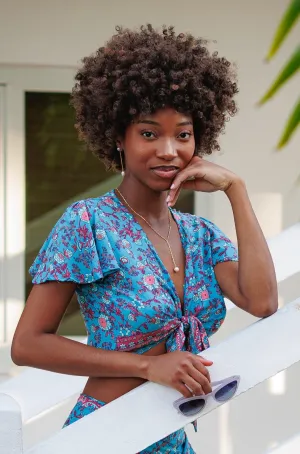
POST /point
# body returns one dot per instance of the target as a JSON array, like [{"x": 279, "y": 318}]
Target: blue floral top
[{"x": 126, "y": 295}]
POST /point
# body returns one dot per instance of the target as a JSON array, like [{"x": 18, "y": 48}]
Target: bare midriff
[{"x": 108, "y": 389}]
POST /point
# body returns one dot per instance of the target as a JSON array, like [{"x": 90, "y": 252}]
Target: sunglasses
[{"x": 225, "y": 390}]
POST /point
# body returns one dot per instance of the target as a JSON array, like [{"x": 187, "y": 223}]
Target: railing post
[{"x": 11, "y": 441}]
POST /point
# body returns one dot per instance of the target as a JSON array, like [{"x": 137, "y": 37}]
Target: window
[{"x": 58, "y": 170}]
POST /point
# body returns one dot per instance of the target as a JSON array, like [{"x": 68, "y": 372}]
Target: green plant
[{"x": 289, "y": 19}]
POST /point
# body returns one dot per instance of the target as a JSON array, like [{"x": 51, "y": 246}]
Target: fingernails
[
  {"x": 168, "y": 199},
  {"x": 173, "y": 186}
]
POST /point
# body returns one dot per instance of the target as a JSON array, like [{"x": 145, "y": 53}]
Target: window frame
[{"x": 15, "y": 81}]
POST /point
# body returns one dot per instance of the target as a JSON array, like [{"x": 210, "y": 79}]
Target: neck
[{"x": 144, "y": 200}]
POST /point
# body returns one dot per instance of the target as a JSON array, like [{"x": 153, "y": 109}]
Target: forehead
[{"x": 166, "y": 116}]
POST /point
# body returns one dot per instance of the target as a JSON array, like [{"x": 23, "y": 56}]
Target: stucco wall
[{"x": 61, "y": 33}]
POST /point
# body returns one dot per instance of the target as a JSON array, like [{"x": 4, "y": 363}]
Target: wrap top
[{"x": 126, "y": 295}]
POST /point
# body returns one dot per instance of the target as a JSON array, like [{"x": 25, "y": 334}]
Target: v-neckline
[{"x": 182, "y": 305}]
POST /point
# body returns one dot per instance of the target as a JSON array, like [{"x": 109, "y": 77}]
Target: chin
[
  {"x": 156, "y": 184},
  {"x": 161, "y": 186}
]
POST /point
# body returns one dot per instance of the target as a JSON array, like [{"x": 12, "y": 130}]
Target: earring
[{"x": 120, "y": 151}]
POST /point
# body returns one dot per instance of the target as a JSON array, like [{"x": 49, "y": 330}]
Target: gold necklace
[{"x": 176, "y": 268}]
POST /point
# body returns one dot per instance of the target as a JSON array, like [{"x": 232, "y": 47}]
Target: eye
[
  {"x": 185, "y": 135},
  {"x": 148, "y": 134}
]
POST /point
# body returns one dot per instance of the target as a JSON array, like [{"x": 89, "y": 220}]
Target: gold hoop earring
[{"x": 123, "y": 171}]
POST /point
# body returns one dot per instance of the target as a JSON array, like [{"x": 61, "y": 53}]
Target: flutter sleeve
[
  {"x": 74, "y": 251},
  {"x": 222, "y": 248}
]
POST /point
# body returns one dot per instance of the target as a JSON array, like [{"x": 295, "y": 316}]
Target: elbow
[
  {"x": 19, "y": 351},
  {"x": 17, "y": 354},
  {"x": 272, "y": 308},
  {"x": 265, "y": 308}
]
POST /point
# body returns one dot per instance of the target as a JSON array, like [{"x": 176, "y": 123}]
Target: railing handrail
[
  {"x": 286, "y": 244},
  {"x": 33, "y": 382},
  {"x": 146, "y": 414}
]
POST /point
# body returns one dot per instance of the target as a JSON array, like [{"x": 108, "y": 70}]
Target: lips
[{"x": 165, "y": 171}]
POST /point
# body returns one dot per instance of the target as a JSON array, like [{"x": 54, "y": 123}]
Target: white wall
[{"x": 61, "y": 33}]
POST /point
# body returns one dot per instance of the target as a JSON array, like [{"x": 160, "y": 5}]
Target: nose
[{"x": 167, "y": 150}]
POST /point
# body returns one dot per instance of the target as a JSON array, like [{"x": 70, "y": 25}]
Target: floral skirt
[{"x": 177, "y": 442}]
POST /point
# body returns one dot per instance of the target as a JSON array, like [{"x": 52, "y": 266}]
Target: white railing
[
  {"x": 146, "y": 414},
  {"x": 11, "y": 439},
  {"x": 34, "y": 382}
]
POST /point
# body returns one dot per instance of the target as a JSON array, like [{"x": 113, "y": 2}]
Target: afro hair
[{"x": 141, "y": 71}]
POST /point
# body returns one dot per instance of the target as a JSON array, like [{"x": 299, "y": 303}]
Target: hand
[
  {"x": 183, "y": 371},
  {"x": 201, "y": 175}
]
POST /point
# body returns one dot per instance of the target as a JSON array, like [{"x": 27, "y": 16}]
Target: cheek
[
  {"x": 138, "y": 155},
  {"x": 188, "y": 152},
  {"x": 134, "y": 151}
]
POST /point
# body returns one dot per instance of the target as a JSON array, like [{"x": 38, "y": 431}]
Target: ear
[{"x": 120, "y": 144}]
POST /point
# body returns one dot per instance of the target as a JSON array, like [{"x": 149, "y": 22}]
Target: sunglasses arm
[
  {"x": 215, "y": 383},
  {"x": 225, "y": 380}
]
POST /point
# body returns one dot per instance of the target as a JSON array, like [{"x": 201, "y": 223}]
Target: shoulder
[
  {"x": 86, "y": 209},
  {"x": 216, "y": 245},
  {"x": 202, "y": 229},
  {"x": 194, "y": 222}
]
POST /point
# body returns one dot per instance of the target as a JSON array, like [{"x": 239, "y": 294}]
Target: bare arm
[
  {"x": 36, "y": 343},
  {"x": 250, "y": 283}
]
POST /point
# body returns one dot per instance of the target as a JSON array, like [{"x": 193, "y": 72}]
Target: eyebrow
[{"x": 151, "y": 122}]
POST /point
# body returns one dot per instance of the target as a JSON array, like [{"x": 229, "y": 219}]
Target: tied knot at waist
[
  {"x": 189, "y": 335},
  {"x": 186, "y": 333},
  {"x": 186, "y": 322}
]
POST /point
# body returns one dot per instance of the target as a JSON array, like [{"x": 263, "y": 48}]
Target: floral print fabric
[{"x": 126, "y": 295}]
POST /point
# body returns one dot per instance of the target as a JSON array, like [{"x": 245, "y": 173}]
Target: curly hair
[{"x": 141, "y": 71}]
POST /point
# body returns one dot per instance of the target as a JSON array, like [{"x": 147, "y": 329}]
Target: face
[{"x": 157, "y": 147}]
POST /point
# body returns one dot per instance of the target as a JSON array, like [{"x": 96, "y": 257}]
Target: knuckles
[{"x": 198, "y": 390}]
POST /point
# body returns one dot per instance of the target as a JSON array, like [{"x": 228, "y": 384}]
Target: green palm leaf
[
  {"x": 290, "y": 127},
  {"x": 289, "y": 19},
  {"x": 292, "y": 66}
]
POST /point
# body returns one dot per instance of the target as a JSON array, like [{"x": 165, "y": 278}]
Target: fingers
[
  {"x": 183, "y": 371},
  {"x": 197, "y": 363},
  {"x": 202, "y": 383},
  {"x": 171, "y": 200},
  {"x": 206, "y": 362},
  {"x": 184, "y": 180},
  {"x": 194, "y": 384},
  {"x": 183, "y": 176},
  {"x": 189, "y": 184},
  {"x": 196, "y": 377},
  {"x": 196, "y": 387},
  {"x": 183, "y": 390},
  {"x": 173, "y": 195}
]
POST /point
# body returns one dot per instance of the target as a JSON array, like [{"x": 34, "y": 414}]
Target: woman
[{"x": 149, "y": 280}]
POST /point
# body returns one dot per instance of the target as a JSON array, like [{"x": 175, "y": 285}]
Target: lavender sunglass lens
[
  {"x": 226, "y": 392},
  {"x": 192, "y": 407}
]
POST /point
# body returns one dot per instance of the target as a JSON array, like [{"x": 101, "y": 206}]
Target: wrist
[
  {"x": 237, "y": 186},
  {"x": 144, "y": 366}
]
